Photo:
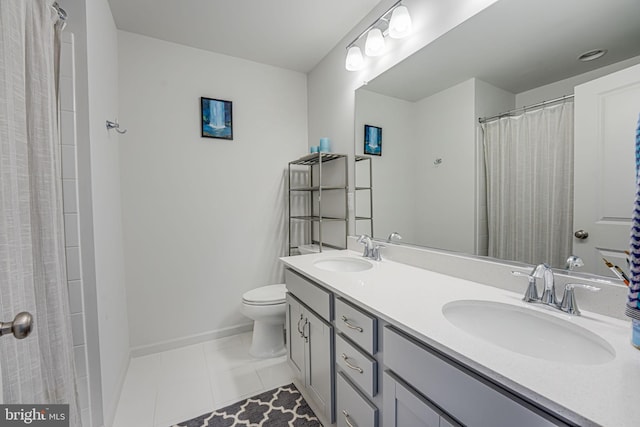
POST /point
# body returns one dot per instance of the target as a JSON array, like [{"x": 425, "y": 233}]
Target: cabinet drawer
[
  {"x": 359, "y": 326},
  {"x": 465, "y": 395},
  {"x": 361, "y": 368},
  {"x": 352, "y": 408},
  {"x": 312, "y": 295}
]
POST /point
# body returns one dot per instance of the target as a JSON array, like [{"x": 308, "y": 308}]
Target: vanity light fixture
[
  {"x": 395, "y": 22},
  {"x": 374, "y": 45},
  {"x": 355, "y": 60},
  {"x": 400, "y": 24}
]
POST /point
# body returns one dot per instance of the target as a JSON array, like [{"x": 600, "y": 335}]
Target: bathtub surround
[
  {"x": 203, "y": 218},
  {"x": 99, "y": 253},
  {"x": 69, "y": 144}
]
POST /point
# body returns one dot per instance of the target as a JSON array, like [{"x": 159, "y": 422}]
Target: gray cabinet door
[
  {"x": 405, "y": 408},
  {"x": 295, "y": 339},
  {"x": 319, "y": 366}
]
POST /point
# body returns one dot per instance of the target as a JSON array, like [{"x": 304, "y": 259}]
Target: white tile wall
[
  {"x": 70, "y": 195},
  {"x": 68, "y": 162},
  {"x": 73, "y": 263},
  {"x": 68, "y": 142}
]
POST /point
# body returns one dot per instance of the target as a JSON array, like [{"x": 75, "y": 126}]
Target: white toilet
[{"x": 266, "y": 306}]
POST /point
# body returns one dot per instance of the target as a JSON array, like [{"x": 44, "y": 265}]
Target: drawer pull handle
[
  {"x": 300, "y": 331},
  {"x": 346, "y": 418},
  {"x": 354, "y": 367},
  {"x": 350, "y": 326}
]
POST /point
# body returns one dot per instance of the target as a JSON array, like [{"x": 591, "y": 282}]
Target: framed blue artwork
[
  {"x": 217, "y": 118},
  {"x": 372, "y": 140}
]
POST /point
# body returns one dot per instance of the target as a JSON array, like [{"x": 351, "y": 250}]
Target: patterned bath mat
[{"x": 281, "y": 407}]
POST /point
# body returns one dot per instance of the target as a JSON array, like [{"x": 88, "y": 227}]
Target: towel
[{"x": 633, "y": 302}]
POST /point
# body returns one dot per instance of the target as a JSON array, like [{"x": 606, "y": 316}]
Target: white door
[{"x": 606, "y": 117}]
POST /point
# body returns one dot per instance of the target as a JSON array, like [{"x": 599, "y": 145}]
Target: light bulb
[
  {"x": 374, "y": 45},
  {"x": 400, "y": 24},
  {"x": 354, "y": 61}
]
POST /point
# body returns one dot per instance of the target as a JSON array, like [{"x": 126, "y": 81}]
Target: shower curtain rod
[
  {"x": 62, "y": 14},
  {"x": 524, "y": 109}
]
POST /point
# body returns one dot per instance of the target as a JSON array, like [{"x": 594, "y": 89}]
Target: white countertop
[{"x": 412, "y": 299}]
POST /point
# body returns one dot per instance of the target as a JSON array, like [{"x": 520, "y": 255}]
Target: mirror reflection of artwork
[
  {"x": 372, "y": 140},
  {"x": 217, "y": 119}
]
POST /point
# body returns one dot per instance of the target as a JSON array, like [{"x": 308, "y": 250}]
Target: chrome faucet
[
  {"x": 395, "y": 235},
  {"x": 371, "y": 251},
  {"x": 368, "y": 245},
  {"x": 573, "y": 262},
  {"x": 375, "y": 254},
  {"x": 543, "y": 271}
]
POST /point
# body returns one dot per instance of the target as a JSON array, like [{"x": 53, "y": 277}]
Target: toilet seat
[{"x": 266, "y": 295}]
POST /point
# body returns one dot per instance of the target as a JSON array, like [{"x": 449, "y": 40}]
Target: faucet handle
[
  {"x": 376, "y": 252},
  {"x": 569, "y": 303},
  {"x": 368, "y": 246},
  {"x": 531, "y": 294}
]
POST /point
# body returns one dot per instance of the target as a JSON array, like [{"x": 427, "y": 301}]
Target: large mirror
[{"x": 429, "y": 179}]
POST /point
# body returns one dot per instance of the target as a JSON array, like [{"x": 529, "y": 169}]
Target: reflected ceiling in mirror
[
  {"x": 518, "y": 45},
  {"x": 515, "y": 52}
]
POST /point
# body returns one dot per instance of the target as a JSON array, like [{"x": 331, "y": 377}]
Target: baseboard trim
[{"x": 190, "y": 340}]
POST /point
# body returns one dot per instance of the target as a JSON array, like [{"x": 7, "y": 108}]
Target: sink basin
[
  {"x": 529, "y": 332},
  {"x": 343, "y": 265}
]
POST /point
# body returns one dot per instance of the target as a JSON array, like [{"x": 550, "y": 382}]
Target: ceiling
[
  {"x": 518, "y": 45},
  {"x": 291, "y": 34}
]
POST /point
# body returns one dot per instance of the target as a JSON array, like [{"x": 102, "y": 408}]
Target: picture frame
[
  {"x": 372, "y": 140},
  {"x": 216, "y": 118}
]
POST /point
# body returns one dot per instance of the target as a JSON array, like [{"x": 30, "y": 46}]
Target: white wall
[
  {"x": 102, "y": 61},
  {"x": 445, "y": 198},
  {"x": 429, "y": 204},
  {"x": 393, "y": 192},
  {"x": 204, "y": 219}
]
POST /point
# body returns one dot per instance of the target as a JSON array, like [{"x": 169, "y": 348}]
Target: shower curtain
[
  {"x": 40, "y": 368},
  {"x": 529, "y": 172}
]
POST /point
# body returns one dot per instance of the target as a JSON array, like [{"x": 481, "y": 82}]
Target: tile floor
[{"x": 165, "y": 388}]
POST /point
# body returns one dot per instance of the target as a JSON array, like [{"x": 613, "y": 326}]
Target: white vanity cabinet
[{"x": 310, "y": 341}]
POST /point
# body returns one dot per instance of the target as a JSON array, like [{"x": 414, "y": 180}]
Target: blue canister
[
  {"x": 635, "y": 333},
  {"x": 325, "y": 145},
  {"x": 313, "y": 149}
]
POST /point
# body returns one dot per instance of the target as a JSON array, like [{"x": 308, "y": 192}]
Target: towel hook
[{"x": 115, "y": 125}]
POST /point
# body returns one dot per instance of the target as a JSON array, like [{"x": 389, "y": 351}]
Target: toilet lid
[{"x": 266, "y": 295}]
